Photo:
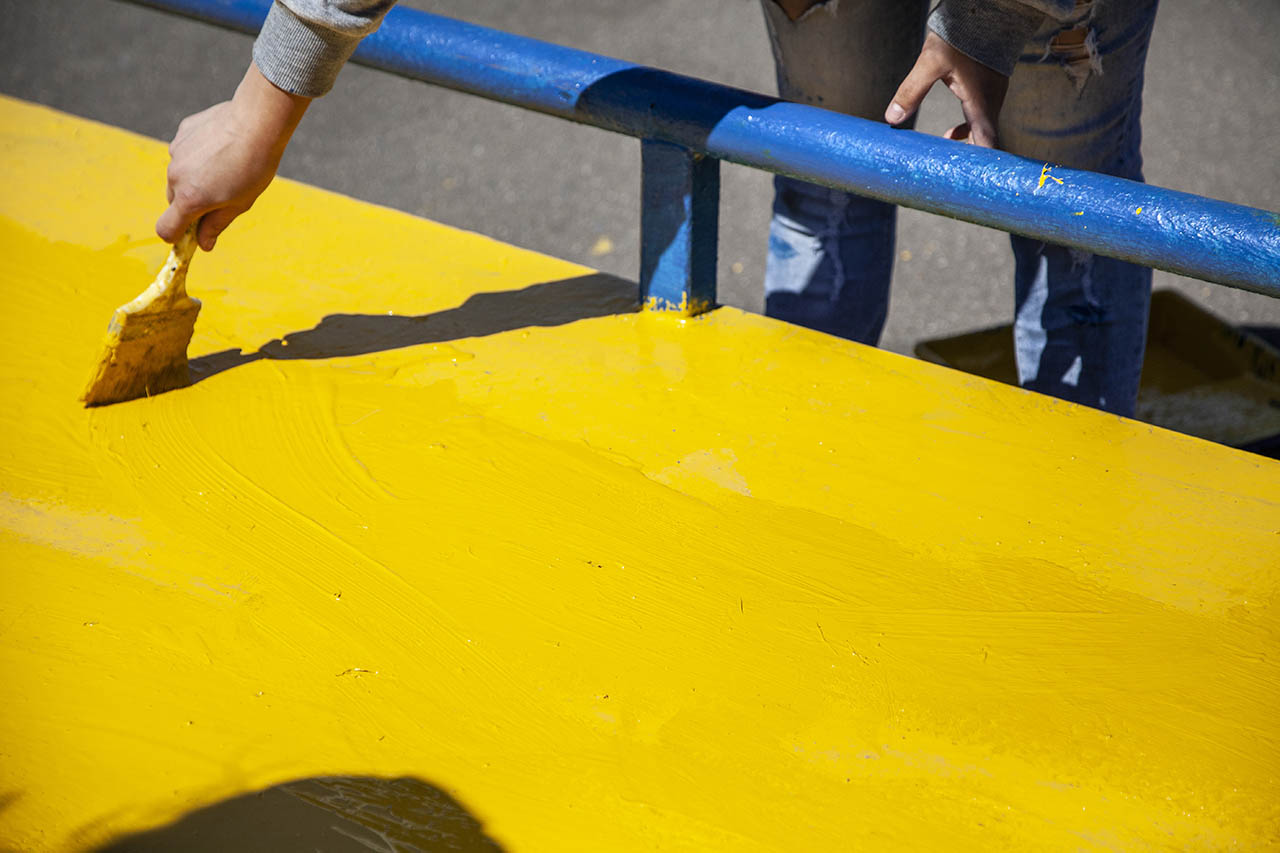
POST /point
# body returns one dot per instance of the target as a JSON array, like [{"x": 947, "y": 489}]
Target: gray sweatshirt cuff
[
  {"x": 298, "y": 56},
  {"x": 990, "y": 31}
]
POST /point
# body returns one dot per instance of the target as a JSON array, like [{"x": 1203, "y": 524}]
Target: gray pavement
[{"x": 1212, "y": 116}]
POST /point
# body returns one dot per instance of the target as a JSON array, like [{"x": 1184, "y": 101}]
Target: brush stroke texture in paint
[{"x": 446, "y": 510}]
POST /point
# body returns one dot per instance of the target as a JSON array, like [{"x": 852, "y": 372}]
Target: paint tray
[{"x": 1201, "y": 376}]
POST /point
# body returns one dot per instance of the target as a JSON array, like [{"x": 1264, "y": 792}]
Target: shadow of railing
[
  {"x": 336, "y": 814},
  {"x": 553, "y": 303}
]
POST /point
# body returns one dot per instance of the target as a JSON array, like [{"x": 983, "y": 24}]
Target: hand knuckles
[{"x": 188, "y": 198}]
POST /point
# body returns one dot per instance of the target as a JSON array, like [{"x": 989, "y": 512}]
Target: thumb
[
  {"x": 214, "y": 223},
  {"x": 913, "y": 89},
  {"x": 174, "y": 221}
]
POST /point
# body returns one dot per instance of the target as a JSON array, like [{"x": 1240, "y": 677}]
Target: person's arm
[
  {"x": 223, "y": 158},
  {"x": 972, "y": 47}
]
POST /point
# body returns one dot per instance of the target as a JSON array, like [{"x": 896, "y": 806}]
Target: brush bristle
[{"x": 144, "y": 354}]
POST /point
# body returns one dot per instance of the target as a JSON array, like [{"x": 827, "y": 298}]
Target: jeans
[{"x": 1075, "y": 99}]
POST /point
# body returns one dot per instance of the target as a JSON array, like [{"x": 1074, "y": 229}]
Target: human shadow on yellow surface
[
  {"x": 337, "y": 814},
  {"x": 553, "y": 303}
]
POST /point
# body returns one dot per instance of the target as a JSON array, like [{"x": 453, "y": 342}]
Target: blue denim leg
[
  {"x": 1076, "y": 99},
  {"x": 830, "y": 252},
  {"x": 1081, "y": 325},
  {"x": 830, "y": 260}
]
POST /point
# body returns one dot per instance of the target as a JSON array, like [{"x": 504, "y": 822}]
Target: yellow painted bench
[{"x": 449, "y": 547}]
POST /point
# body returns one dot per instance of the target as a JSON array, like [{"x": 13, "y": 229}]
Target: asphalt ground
[{"x": 1211, "y": 121}]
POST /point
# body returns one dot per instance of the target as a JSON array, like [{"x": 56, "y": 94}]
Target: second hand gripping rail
[{"x": 686, "y": 126}]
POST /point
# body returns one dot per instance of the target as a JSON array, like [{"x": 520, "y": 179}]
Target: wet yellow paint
[
  {"x": 458, "y": 522},
  {"x": 1044, "y": 175}
]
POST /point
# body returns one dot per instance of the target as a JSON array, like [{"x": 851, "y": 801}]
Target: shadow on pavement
[
  {"x": 553, "y": 303},
  {"x": 337, "y": 814}
]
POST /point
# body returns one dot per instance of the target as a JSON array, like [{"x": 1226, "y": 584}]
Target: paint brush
[{"x": 145, "y": 351}]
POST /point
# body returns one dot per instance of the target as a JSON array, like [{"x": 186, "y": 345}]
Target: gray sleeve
[
  {"x": 304, "y": 43},
  {"x": 994, "y": 31}
]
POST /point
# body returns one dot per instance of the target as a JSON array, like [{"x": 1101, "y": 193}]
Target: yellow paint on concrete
[{"x": 466, "y": 550}]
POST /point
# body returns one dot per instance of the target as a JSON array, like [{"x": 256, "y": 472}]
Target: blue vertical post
[{"x": 679, "y": 224}]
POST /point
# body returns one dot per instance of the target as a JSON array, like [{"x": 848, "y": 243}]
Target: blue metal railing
[{"x": 687, "y": 125}]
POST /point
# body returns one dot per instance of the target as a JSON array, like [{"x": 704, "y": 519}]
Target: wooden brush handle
[
  {"x": 185, "y": 248},
  {"x": 175, "y": 267}
]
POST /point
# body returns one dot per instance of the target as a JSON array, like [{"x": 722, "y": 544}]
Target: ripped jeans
[{"x": 1075, "y": 99}]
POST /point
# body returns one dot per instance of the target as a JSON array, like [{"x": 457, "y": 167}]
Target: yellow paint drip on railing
[{"x": 451, "y": 547}]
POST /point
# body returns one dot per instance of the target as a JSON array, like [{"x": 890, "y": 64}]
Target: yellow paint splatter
[
  {"x": 601, "y": 247},
  {"x": 1044, "y": 175}
]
